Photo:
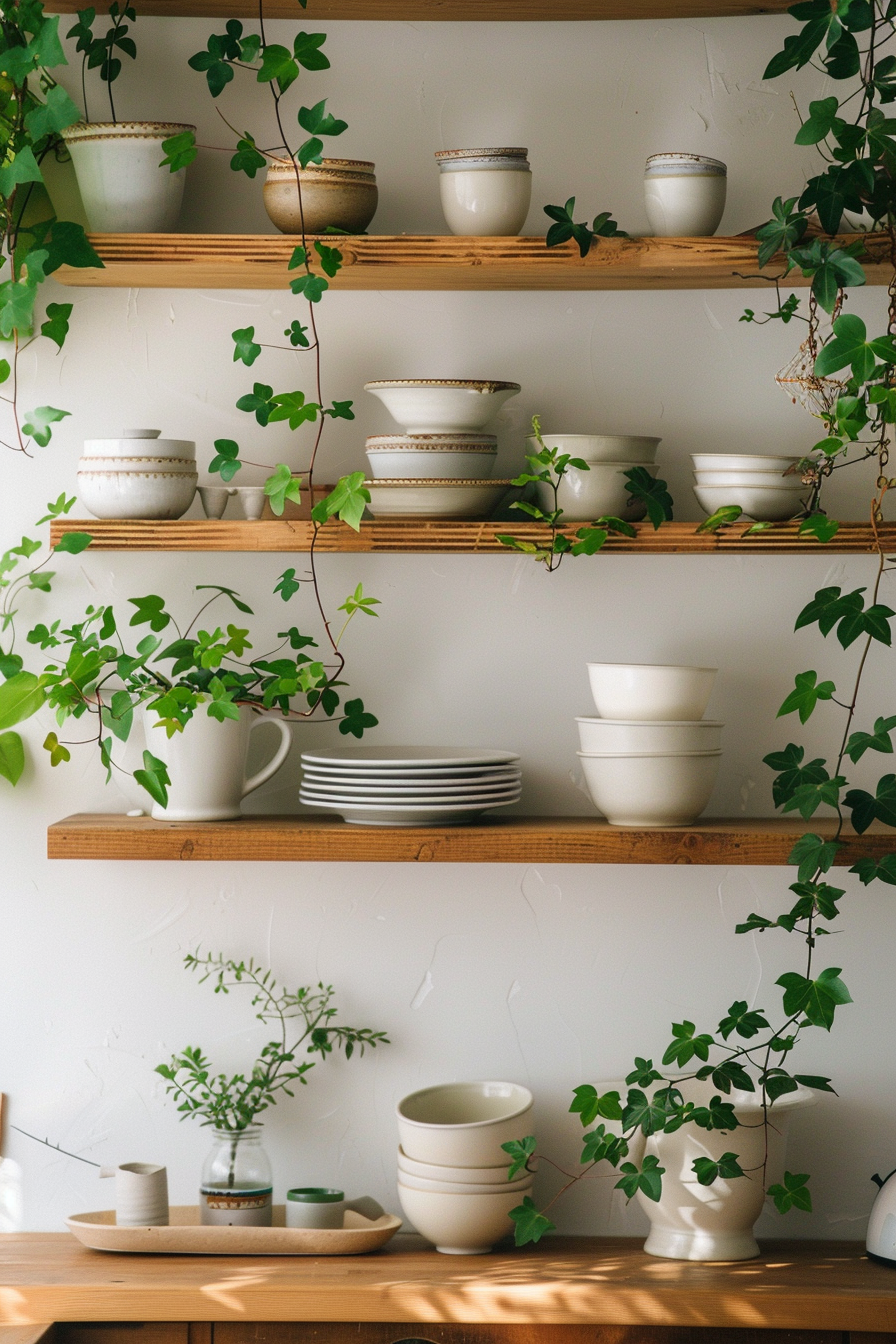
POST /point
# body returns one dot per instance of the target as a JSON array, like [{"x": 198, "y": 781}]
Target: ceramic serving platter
[
  {"x": 185, "y": 1235},
  {"x": 407, "y": 757}
]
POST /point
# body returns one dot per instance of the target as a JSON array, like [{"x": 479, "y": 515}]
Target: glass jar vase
[{"x": 236, "y": 1185}]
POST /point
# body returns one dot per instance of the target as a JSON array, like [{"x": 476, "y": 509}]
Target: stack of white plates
[{"x": 409, "y": 786}]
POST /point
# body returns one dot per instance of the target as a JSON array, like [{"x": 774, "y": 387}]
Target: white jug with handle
[{"x": 207, "y": 763}]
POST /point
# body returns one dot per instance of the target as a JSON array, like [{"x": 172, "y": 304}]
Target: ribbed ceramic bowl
[
  {"x": 463, "y": 1124},
  {"x": 431, "y": 1171},
  {"x": 651, "y": 790},
  {"x": 601, "y": 490},
  {"x": 629, "y": 448},
  {"x": 432, "y": 456},
  {"x": 636, "y": 737},
  {"x": 650, "y": 691},
  {"x": 768, "y": 504},
  {"x": 123, "y": 494},
  {"x": 341, "y": 193},
  {"x": 459, "y": 1224},
  {"x": 442, "y": 405},
  {"x": 741, "y": 462}
]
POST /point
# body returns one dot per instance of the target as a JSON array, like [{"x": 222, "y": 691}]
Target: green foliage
[
  {"x": 565, "y": 227},
  {"x": 235, "y": 1102}
]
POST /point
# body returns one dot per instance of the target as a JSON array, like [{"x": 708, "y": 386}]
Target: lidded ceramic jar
[
  {"x": 123, "y": 185},
  {"x": 684, "y": 195},
  {"x": 341, "y": 193},
  {"x": 485, "y": 192},
  {"x": 138, "y": 474}
]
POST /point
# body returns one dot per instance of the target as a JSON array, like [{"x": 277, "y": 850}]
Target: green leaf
[
  {"x": 72, "y": 543},
  {"x": 55, "y": 328},
  {"x": 648, "y": 1178},
  {"x": 356, "y": 719},
  {"x": 866, "y": 809},
  {"x": 12, "y": 757},
  {"x": 817, "y": 999},
  {"x": 58, "y": 752},
  {"x": 520, "y": 1151},
  {"x": 529, "y": 1224},
  {"x": 37, "y": 423},
  {"x": 812, "y": 855},
  {"x": 281, "y": 486},
  {"x": 726, "y": 1169},
  {"x": 245, "y": 346},
  {"x": 808, "y": 691},
  {"x": 793, "y": 1194},
  {"x": 20, "y": 697}
]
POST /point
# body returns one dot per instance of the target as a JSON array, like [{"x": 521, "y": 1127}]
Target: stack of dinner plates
[{"x": 409, "y": 786}]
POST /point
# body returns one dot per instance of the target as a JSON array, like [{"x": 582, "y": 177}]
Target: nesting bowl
[
  {"x": 442, "y": 405},
  {"x": 650, "y": 691},
  {"x": 602, "y": 489},
  {"x": 432, "y": 456},
  {"x": 633, "y": 449}
]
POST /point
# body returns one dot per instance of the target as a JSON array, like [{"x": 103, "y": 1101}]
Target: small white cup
[
  {"x": 141, "y": 1194},
  {"x": 684, "y": 195},
  {"x": 319, "y": 1206}
]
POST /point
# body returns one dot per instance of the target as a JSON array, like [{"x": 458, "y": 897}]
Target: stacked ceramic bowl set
[
  {"x": 137, "y": 475},
  {"x": 452, "y": 1170},
  {"x": 649, "y": 757},
  {"x": 441, "y": 464},
  {"x": 409, "y": 786},
  {"x": 764, "y": 488},
  {"x": 602, "y": 489}
]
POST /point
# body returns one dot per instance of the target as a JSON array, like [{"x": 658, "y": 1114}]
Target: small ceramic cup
[
  {"x": 141, "y": 1194},
  {"x": 684, "y": 195},
  {"x": 319, "y": 1206}
]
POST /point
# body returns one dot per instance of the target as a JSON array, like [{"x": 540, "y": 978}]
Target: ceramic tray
[{"x": 185, "y": 1235}]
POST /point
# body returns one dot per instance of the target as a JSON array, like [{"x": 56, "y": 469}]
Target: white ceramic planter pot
[
  {"x": 684, "y": 195},
  {"x": 207, "y": 764},
  {"x": 715, "y": 1222},
  {"x": 122, "y": 185}
]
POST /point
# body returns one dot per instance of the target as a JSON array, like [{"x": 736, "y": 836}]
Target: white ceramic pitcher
[{"x": 207, "y": 764}]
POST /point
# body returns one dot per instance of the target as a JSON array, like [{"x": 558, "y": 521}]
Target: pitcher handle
[{"x": 279, "y": 756}]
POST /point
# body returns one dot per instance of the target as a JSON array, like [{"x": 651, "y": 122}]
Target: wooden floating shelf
[
  {"x": 503, "y": 840},
  {"x": 244, "y": 261},
  {"x": 469, "y": 10},
  {"x": 442, "y": 535}
]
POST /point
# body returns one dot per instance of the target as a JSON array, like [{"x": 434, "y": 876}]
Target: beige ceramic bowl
[
  {"x": 650, "y": 691},
  {"x": 463, "y": 1124},
  {"x": 459, "y": 1224},
  {"x": 341, "y": 193},
  {"x": 651, "y": 790}
]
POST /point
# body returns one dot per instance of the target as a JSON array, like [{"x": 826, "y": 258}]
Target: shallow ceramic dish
[
  {"x": 435, "y": 499},
  {"x": 740, "y": 462},
  {"x": 367, "y": 814},
  {"x": 341, "y": 193},
  {"x": 629, "y": 448},
  {"x": 650, "y": 790},
  {"x": 650, "y": 691},
  {"x": 768, "y": 505},
  {"x": 432, "y": 456},
  {"x": 639, "y": 736},
  {"x": 417, "y": 758},
  {"x": 463, "y": 1124},
  {"x": 186, "y": 1236},
  {"x": 114, "y": 494},
  {"x": 601, "y": 490},
  {"x": 442, "y": 405},
  {"x": 459, "y": 1224},
  {"x": 520, "y": 1186},
  {"x": 431, "y": 1171}
]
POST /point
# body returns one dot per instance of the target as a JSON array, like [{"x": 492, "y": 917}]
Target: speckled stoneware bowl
[{"x": 341, "y": 193}]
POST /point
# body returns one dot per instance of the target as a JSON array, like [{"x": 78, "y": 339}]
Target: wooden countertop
[{"x": 824, "y": 1285}]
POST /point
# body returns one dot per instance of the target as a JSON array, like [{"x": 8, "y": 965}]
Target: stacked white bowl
[
  {"x": 649, "y": 757},
  {"x": 603, "y": 488},
  {"x": 137, "y": 475},
  {"x": 759, "y": 485},
  {"x": 452, "y": 1170}
]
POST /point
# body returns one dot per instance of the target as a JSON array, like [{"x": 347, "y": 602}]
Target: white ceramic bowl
[
  {"x": 740, "y": 462},
  {"x": 140, "y": 443},
  {"x": 611, "y": 736},
  {"x": 113, "y": 494},
  {"x": 432, "y": 456},
  {"x": 650, "y": 691},
  {"x": 767, "y": 504},
  {"x": 178, "y": 466},
  {"x": 431, "y": 1171},
  {"x": 650, "y": 790},
  {"x": 463, "y": 1124},
  {"x": 629, "y": 448},
  {"x": 434, "y": 498},
  {"x": 762, "y": 479},
  {"x": 602, "y": 489},
  {"x": 521, "y": 1185},
  {"x": 442, "y": 405},
  {"x": 459, "y": 1224}
]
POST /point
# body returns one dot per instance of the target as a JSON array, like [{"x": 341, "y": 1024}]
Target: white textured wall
[{"x": 552, "y": 975}]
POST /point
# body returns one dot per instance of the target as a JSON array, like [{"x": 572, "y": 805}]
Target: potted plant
[{"x": 236, "y": 1183}]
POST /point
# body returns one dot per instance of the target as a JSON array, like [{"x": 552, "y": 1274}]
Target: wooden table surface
[{"x": 824, "y": 1285}]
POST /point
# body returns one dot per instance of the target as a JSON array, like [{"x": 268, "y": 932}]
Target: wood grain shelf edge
[{"x": 737, "y": 842}]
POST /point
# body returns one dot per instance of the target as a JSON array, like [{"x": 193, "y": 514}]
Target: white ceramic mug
[
  {"x": 319, "y": 1206},
  {"x": 141, "y": 1194},
  {"x": 207, "y": 764}
]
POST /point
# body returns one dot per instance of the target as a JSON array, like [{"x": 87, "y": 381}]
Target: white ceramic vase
[
  {"x": 207, "y": 764},
  {"x": 122, "y": 183}
]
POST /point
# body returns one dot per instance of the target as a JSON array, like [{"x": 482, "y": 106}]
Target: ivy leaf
[
  {"x": 878, "y": 740},
  {"x": 648, "y": 1179},
  {"x": 281, "y": 486},
  {"x": 20, "y": 696},
  {"x": 55, "y": 327},
  {"x": 726, "y": 1169},
  {"x": 151, "y": 611},
  {"x": 881, "y": 807},
  {"x": 58, "y": 752},
  {"x": 356, "y": 719},
  {"x": 245, "y": 346},
  {"x": 812, "y": 855},
  {"x": 288, "y": 585},
  {"x": 520, "y": 1151},
  {"x": 37, "y": 423},
  {"x": 12, "y": 757},
  {"x": 653, "y": 492},
  {"x": 817, "y": 999},
  {"x": 154, "y": 778},
  {"x": 347, "y": 501},
  {"x": 529, "y": 1224},
  {"x": 806, "y": 695},
  {"x": 226, "y": 460},
  {"x": 73, "y": 543},
  {"x": 793, "y": 1194}
]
